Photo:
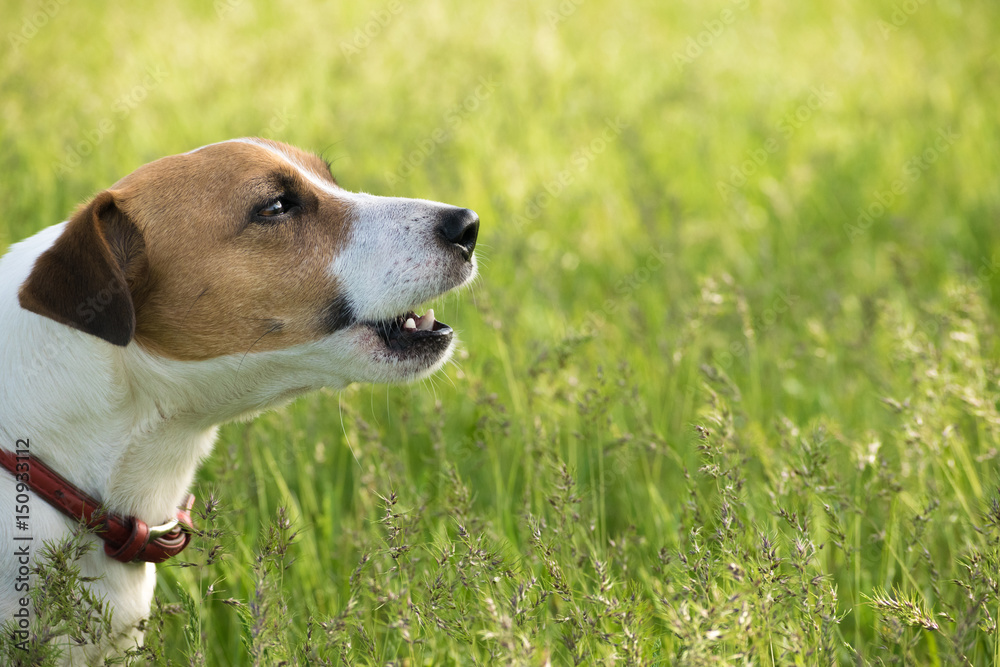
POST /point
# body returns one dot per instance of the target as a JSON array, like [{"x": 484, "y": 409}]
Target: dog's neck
[{"x": 125, "y": 426}]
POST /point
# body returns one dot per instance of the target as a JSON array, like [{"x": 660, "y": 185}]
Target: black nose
[{"x": 460, "y": 227}]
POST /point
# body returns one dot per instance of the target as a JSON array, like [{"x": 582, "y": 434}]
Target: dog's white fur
[{"x": 131, "y": 427}]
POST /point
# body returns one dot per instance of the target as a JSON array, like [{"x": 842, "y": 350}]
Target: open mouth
[{"x": 408, "y": 332}]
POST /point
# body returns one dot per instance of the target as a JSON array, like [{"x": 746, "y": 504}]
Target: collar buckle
[{"x": 156, "y": 532}]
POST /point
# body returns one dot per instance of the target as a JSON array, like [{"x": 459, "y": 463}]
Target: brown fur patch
[{"x": 216, "y": 280}]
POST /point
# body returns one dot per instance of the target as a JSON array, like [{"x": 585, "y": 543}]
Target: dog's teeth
[
  {"x": 427, "y": 321},
  {"x": 409, "y": 324}
]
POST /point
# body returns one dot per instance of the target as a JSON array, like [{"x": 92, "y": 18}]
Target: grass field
[{"x": 727, "y": 391}]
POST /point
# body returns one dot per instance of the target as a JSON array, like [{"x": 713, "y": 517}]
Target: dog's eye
[{"x": 279, "y": 207}]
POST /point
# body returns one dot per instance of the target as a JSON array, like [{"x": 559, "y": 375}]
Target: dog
[{"x": 201, "y": 288}]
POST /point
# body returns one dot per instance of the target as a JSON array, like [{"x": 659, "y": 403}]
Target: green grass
[{"x": 703, "y": 414}]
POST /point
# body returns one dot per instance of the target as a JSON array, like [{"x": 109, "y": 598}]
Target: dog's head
[{"x": 250, "y": 246}]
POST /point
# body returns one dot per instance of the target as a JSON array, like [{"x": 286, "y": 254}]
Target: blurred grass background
[{"x": 672, "y": 198}]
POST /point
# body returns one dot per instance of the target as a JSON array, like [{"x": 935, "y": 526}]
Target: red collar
[{"x": 126, "y": 539}]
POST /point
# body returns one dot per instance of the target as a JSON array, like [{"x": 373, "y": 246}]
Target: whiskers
[
  {"x": 276, "y": 326},
  {"x": 343, "y": 429}
]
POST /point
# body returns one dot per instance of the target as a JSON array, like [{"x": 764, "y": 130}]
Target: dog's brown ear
[{"x": 90, "y": 276}]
